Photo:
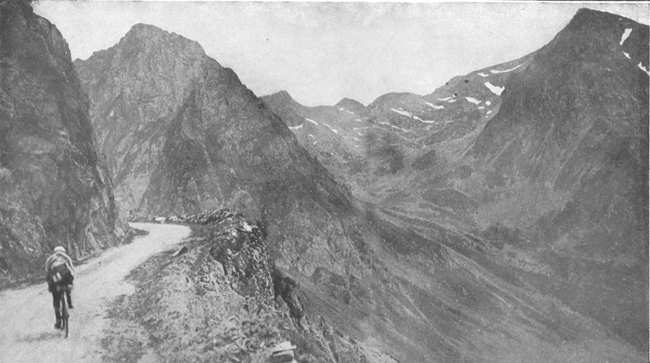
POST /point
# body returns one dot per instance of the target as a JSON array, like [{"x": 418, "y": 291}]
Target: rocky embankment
[
  {"x": 219, "y": 298},
  {"x": 54, "y": 190}
]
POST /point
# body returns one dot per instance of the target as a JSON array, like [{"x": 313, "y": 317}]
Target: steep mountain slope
[
  {"x": 545, "y": 160},
  {"x": 559, "y": 175},
  {"x": 54, "y": 190},
  {"x": 191, "y": 137},
  {"x": 566, "y": 161}
]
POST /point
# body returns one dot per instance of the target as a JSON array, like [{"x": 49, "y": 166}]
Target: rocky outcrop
[
  {"x": 55, "y": 189},
  {"x": 220, "y": 298}
]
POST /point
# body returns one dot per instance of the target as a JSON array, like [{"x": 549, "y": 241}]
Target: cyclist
[{"x": 59, "y": 271}]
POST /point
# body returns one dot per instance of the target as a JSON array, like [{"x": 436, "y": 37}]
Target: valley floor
[{"x": 26, "y": 317}]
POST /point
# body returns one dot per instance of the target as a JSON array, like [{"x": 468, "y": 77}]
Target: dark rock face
[
  {"x": 55, "y": 190},
  {"x": 572, "y": 134}
]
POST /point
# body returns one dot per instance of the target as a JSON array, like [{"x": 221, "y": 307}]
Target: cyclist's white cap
[{"x": 59, "y": 249}]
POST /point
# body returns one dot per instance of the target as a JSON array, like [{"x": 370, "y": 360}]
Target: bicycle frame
[{"x": 63, "y": 308}]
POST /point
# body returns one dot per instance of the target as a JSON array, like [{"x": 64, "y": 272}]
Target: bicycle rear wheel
[{"x": 64, "y": 313}]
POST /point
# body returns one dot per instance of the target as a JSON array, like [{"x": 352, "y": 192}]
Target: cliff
[{"x": 55, "y": 189}]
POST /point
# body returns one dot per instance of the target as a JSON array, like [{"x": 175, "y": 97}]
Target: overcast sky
[{"x": 322, "y": 52}]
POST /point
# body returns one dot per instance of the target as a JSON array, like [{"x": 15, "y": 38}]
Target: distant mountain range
[{"x": 544, "y": 159}]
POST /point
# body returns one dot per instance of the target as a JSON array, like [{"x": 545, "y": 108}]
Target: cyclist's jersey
[{"x": 57, "y": 259}]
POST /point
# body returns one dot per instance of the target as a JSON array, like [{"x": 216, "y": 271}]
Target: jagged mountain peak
[
  {"x": 592, "y": 33},
  {"x": 145, "y": 28},
  {"x": 589, "y": 18},
  {"x": 142, "y": 30},
  {"x": 163, "y": 64},
  {"x": 151, "y": 40},
  {"x": 282, "y": 96}
]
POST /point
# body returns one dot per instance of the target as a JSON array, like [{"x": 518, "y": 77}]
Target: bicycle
[{"x": 63, "y": 308}]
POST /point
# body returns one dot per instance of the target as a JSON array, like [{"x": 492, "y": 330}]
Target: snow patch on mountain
[
  {"x": 473, "y": 100},
  {"x": 393, "y": 126},
  {"x": 495, "y": 89},
  {"x": 310, "y": 135},
  {"x": 626, "y": 34},
  {"x": 434, "y": 106},
  {"x": 356, "y": 139},
  {"x": 483, "y": 74},
  {"x": 488, "y": 103},
  {"x": 296, "y": 127},
  {"x": 312, "y": 121},
  {"x": 330, "y": 127},
  {"x": 641, "y": 67},
  {"x": 481, "y": 107},
  {"x": 627, "y": 55},
  {"x": 451, "y": 101},
  {"x": 489, "y": 112},
  {"x": 402, "y": 112},
  {"x": 504, "y": 71},
  {"x": 444, "y": 99}
]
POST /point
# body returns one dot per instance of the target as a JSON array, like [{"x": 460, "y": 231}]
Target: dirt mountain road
[{"x": 27, "y": 317}]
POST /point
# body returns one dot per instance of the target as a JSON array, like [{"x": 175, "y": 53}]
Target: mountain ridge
[{"x": 526, "y": 155}]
